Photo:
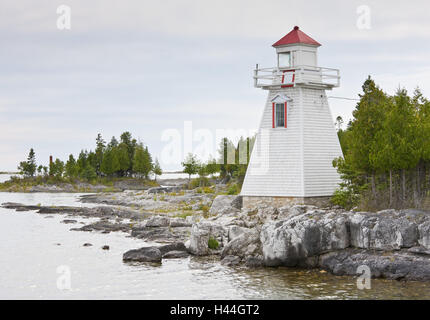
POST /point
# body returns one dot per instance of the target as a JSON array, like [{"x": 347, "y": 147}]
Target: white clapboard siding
[{"x": 295, "y": 161}]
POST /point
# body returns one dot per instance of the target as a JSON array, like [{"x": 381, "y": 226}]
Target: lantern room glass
[{"x": 284, "y": 59}]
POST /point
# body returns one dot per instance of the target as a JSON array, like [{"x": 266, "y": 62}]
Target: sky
[{"x": 153, "y": 67}]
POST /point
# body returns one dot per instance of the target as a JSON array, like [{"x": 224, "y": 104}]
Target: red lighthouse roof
[{"x": 296, "y": 36}]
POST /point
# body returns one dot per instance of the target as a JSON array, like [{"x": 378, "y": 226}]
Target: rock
[
  {"x": 424, "y": 234},
  {"x": 165, "y": 189},
  {"x": 158, "y": 221},
  {"x": 154, "y": 234},
  {"x": 176, "y": 246},
  {"x": 87, "y": 244},
  {"x": 200, "y": 234},
  {"x": 382, "y": 231},
  {"x": 231, "y": 261},
  {"x": 225, "y": 204},
  {"x": 292, "y": 241},
  {"x": 175, "y": 254},
  {"x": 146, "y": 254},
  {"x": 396, "y": 266},
  {"x": 246, "y": 244},
  {"x": 105, "y": 247},
  {"x": 179, "y": 222},
  {"x": 68, "y": 221},
  {"x": 235, "y": 231},
  {"x": 254, "y": 262},
  {"x": 419, "y": 250}
]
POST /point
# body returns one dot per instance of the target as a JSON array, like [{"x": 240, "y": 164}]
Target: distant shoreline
[{"x": 8, "y": 172}]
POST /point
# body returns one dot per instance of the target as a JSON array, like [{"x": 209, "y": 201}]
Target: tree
[
  {"x": 28, "y": 168},
  {"x": 142, "y": 162},
  {"x": 110, "y": 164},
  {"x": 190, "y": 165},
  {"x": 100, "y": 148},
  {"x": 71, "y": 168},
  {"x": 157, "y": 169},
  {"x": 123, "y": 158},
  {"x": 56, "y": 168},
  {"x": 212, "y": 167}
]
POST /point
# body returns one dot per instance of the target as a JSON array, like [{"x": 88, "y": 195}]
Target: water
[
  {"x": 5, "y": 177},
  {"x": 30, "y": 258}
]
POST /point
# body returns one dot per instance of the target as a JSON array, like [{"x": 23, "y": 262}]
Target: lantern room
[
  {"x": 296, "y": 49},
  {"x": 296, "y": 65}
]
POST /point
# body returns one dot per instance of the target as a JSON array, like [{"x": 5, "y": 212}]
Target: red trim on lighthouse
[
  {"x": 292, "y": 79},
  {"x": 285, "y": 114},
  {"x": 273, "y": 114}
]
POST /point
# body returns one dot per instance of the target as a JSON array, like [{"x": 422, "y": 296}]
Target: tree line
[
  {"x": 386, "y": 148},
  {"x": 124, "y": 158}
]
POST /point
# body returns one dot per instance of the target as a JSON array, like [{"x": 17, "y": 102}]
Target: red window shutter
[
  {"x": 273, "y": 115},
  {"x": 285, "y": 114}
]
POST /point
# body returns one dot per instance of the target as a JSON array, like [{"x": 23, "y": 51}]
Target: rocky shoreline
[{"x": 392, "y": 244}]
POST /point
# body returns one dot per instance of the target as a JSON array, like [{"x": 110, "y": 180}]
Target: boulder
[
  {"x": 176, "y": 246},
  {"x": 292, "y": 241},
  {"x": 225, "y": 204},
  {"x": 399, "y": 265},
  {"x": 235, "y": 231},
  {"x": 200, "y": 234},
  {"x": 146, "y": 254},
  {"x": 175, "y": 254},
  {"x": 158, "y": 221},
  {"x": 179, "y": 222},
  {"x": 382, "y": 231},
  {"x": 246, "y": 244}
]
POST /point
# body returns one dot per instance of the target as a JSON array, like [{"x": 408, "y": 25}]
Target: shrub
[
  {"x": 213, "y": 243},
  {"x": 233, "y": 189},
  {"x": 345, "y": 198}
]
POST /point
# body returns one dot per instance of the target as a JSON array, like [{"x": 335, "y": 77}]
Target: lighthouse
[{"x": 291, "y": 162}]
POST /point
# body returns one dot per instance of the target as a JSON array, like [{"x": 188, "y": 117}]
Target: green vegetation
[
  {"x": 213, "y": 243},
  {"x": 117, "y": 160},
  {"x": 386, "y": 149},
  {"x": 231, "y": 164}
]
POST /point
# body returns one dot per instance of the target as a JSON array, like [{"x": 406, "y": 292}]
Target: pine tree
[
  {"x": 28, "y": 168},
  {"x": 157, "y": 169}
]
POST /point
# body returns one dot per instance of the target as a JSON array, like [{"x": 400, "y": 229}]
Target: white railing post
[{"x": 256, "y": 76}]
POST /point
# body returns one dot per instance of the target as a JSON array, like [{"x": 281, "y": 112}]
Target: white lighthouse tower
[{"x": 291, "y": 162}]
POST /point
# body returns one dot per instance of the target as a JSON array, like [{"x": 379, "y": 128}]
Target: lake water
[{"x": 38, "y": 254}]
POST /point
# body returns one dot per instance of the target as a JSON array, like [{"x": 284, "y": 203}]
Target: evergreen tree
[
  {"x": 28, "y": 168},
  {"x": 100, "y": 148},
  {"x": 157, "y": 169},
  {"x": 71, "y": 167}
]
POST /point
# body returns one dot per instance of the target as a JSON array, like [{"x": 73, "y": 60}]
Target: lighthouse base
[{"x": 250, "y": 202}]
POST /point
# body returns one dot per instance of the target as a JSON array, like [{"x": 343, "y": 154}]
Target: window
[
  {"x": 279, "y": 115},
  {"x": 284, "y": 60}
]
